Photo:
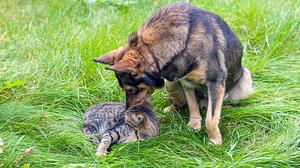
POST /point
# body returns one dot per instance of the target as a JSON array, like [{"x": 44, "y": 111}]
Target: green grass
[{"x": 48, "y": 80}]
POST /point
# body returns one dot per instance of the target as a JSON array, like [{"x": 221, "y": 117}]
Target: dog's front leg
[
  {"x": 195, "y": 117},
  {"x": 215, "y": 99},
  {"x": 176, "y": 96}
]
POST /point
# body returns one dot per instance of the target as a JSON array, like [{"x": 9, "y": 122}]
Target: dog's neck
[
  {"x": 152, "y": 54},
  {"x": 156, "y": 60}
]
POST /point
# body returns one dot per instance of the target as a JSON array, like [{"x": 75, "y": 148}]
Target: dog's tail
[{"x": 243, "y": 87}]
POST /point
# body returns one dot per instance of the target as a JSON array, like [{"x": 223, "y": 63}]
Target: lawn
[{"x": 48, "y": 80}]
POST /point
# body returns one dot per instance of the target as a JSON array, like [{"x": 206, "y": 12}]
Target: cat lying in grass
[{"x": 110, "y": 123}]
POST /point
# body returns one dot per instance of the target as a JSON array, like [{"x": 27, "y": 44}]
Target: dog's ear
[
  {"x": 124, "y": 67},
  {"x": 105, "y": 59},
  {"x": 133, "y": 39},
  {"x": 111, "y": 57}
]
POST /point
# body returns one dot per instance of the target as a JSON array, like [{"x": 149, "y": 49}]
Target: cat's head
[{"x": 143, "y": 119}]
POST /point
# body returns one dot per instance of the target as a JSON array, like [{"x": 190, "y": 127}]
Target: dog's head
[{"x": 135, "y": 70}]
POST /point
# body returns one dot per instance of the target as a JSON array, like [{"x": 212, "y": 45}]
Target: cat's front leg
[{"x": 106, "y": 141}]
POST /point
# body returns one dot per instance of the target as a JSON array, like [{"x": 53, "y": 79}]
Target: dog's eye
[
  {"x": 131, "y": 90},
  {"x": 141, "y": 89}
]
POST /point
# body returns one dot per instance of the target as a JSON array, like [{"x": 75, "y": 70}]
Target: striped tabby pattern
[{"x": 110, "y": 123}]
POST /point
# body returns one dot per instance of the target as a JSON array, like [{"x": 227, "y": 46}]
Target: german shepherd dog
[{"x": 198, "y": 55}]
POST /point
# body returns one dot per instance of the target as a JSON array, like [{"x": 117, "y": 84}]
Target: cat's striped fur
[{"x": 110, "y": 123}]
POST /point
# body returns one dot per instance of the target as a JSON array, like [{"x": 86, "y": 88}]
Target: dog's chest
[
  {"x": 188, "y": 84},
  {"x": 193, "y": 79}
]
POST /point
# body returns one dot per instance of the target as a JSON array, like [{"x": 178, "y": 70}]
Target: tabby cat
[{"x": 110, "y": 123}]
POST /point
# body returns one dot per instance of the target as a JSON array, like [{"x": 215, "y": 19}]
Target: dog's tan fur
[
  {"x": 195, "y": 51},
  {"x": 197, "y": 76}
]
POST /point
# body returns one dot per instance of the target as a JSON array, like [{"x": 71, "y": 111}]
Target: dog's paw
[
  {"x": 101, "y": 153},
  {"x": 215, "y": 141},
  {"x": 215, "y": 137},
  {"x": 169, "y": 109},
  {"x": 195, "y": 123}
]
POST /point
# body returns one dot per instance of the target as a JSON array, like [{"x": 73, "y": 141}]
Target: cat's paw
[
  {"x": 101, "y": 153},
  {"x": 195, "y": 124},
  {"x": 169, "y": 109}
]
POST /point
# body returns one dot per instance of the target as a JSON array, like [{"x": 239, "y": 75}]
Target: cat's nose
[{"x": 126, "y": 119}]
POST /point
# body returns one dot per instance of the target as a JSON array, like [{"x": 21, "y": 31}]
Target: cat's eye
[{"x": 139, "y": 118}]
